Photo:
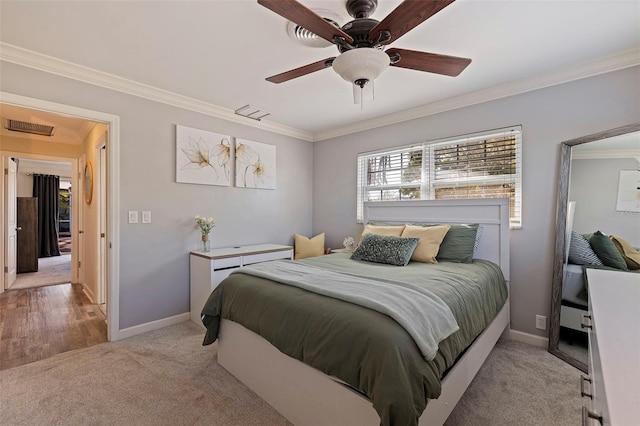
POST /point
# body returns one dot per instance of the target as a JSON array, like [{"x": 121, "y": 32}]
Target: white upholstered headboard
[{"x": 492, "y": 214}]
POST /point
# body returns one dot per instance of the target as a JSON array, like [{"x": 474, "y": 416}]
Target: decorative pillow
[
  {"x": 430, "y": 239},
  {"x": 458, "y": 244},
  {"x": 305, "y": 247},
  {"x": 607, "y": 251},
  {"x": 385, "y": 249},
  {"x": 392, "y": 230},
  {"x": 478, "y": 236},
  {"x": 630, "y": 255},
  {"x": 580, "y": 252}
]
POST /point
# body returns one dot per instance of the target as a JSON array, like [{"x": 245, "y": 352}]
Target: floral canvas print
[
  {"x": 255, "y": 165},
  {"x": 202, "y": 157}
]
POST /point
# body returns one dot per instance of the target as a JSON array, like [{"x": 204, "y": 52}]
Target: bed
[{"x": 340, "y": 386}]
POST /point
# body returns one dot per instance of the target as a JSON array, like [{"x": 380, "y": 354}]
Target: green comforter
[{"x": 364, "y": 348}]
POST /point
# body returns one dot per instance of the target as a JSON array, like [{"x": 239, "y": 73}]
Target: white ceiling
[{"x": 220, "y": 52}]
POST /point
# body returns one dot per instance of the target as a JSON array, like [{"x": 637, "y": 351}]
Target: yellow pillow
[
  {"x": 390, "y": 230},
  {"x": 430, "y": 239},
  {"x": 631, "y": 256},
  {"x": 305, "y": 247}
]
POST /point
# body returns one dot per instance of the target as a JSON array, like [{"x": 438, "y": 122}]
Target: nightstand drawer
[
  {"x": 264, "y": 257},
  {"x": 229, "y": 262}
]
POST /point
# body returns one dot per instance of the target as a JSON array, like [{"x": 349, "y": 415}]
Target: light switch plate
[
  {"x": 133, "y": 216},
  {"x": 146, "y": 216}
]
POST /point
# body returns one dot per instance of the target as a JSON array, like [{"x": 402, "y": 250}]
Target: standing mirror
[{"x": 588, "y": 201}]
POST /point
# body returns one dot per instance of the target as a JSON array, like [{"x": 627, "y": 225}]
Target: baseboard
[
  {"x": 531, "y": 339},
  {"x": 153, "y": 325},
  {"x": 87, "y": 291}
]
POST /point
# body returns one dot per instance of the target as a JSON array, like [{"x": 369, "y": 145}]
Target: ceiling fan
[{"x": 361, "y": 41}]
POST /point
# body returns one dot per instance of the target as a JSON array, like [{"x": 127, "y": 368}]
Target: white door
[
  {"x": 79, "y": 197},
  {"x": 102, "y": 212},
  {"x": 11, "y": 224}
]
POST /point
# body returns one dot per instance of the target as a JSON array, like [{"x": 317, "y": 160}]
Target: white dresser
[
  {"x": 614, "y": 349},
  {"x": 208, "y": 269}
]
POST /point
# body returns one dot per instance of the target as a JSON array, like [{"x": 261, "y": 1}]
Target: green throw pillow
[
  {"x": 458, "y": 244},
  {"x": 607, "y": 251},
  {"x": 385, "y": 249}
]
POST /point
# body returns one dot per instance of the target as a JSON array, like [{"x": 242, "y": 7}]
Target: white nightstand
[{"x": 208, "y": 269}]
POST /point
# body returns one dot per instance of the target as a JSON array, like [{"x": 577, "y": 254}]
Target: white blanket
[{"x": 426, "y": 318}]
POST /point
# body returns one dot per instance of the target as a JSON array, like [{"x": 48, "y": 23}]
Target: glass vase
[{"x": 206, "y": 244}]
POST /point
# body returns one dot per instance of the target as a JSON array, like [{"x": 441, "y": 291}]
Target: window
[{"x": 487, "y": 165}]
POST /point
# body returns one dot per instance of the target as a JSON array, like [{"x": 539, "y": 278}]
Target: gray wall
[
  {"x": 154, "y": 260},
  {"x": 548, "y": 117},
  {"x": 594, "y": 188}
]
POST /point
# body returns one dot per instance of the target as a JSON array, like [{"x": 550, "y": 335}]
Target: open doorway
[
  {"x": 77, "y": 231},
  {"x": 44, "y": 201}
]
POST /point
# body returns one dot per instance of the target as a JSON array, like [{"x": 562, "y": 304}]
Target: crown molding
[
  {"x": 625, "y": 59},
  {"x": 29, "y": 58},
  {"x": 41, "y": 62}
]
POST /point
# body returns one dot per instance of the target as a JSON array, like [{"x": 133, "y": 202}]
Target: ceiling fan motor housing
[{"x": 359, "y": 29}]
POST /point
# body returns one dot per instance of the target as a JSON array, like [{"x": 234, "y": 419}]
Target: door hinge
[
  {"x": 6, "y": 171},
  {"x": 79, "y": 175},
  {"x": 102, "y": 235},
  {"x": 6, "y": 269},
  {"x": 79, "y": 264}
]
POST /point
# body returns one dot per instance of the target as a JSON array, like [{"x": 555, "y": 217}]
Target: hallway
[{"x": 37, "y": 323}]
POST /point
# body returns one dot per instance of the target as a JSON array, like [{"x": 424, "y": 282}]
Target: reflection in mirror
[{"x": 588, "y": 201}]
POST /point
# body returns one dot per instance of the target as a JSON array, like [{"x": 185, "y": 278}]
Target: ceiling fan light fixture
[{"x": 361, "y": 64}]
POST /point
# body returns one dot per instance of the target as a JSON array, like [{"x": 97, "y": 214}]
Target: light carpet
[
  {"x": 51, "y": 270},
  {"x": 165, "y": 377}
]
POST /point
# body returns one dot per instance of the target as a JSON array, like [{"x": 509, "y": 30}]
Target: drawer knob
[
  {"x": 585, "y": 321},
  {"x": 587, "y": 414},
  {"x": 584, "y": 379}
]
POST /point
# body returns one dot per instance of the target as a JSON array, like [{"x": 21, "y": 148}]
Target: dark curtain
[{"x": 46, "y": 188}]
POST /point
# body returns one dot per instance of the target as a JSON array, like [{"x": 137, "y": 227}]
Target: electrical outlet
[{"x": 541, "y": 322}]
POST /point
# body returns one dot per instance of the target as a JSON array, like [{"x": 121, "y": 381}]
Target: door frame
[{"x": 113, "y": 194}]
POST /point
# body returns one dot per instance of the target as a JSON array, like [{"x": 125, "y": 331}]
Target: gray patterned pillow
[
  {"x": 385, "y": 249},
  {"x": 580, "y": 251}
]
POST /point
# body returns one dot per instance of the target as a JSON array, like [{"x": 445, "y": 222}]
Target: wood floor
[{"x": 37, "y": 323}]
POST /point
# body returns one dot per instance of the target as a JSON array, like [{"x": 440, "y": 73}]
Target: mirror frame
[
  {"x": 561, "y": 227},
  {"x": 88, "y": 182}
]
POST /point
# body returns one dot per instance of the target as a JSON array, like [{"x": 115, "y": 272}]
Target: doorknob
[
  {"x": 19, "y": 228},
  {"x": 81, "y": 232}
]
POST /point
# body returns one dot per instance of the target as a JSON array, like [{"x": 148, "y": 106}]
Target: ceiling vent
[
  {"x": 307, "y": 38},
  {"x": 26, "y": 127}
]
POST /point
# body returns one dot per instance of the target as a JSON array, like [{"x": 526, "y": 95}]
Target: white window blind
[{"x": 486, "y": 165}]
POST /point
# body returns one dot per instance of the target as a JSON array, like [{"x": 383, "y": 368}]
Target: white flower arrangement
[
  {"x": 348, "y": 243},
  {"x": 205, "y": 224}
]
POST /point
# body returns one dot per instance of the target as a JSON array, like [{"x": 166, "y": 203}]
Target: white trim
[
  {"x": 113, "y": 201},
  {"x": 531, "y": 339},
  {"x": 153, "y": 325},
  {"x": 38, "y": 61},
  {"x": 626, "y": 59},
  {"x": 87, "y": 292}
]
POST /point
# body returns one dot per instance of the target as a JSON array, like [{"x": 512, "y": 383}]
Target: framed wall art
[
  {"x": 629, "y": 191},
  {"x": 202, "y": 157},
  {"x": 255, "y": 165}
]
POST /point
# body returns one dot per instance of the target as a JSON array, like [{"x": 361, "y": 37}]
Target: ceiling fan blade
[
  {"x": 299, "y": 72},
  {"x": 428, "y": 62},
  {"x": 408, "y": 15},
  {"x": 306, "y": 18}
]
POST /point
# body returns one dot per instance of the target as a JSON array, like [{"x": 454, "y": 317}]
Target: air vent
[
  {"x": 307, "y": 38},
  {"x": 26, "y": 127}
]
